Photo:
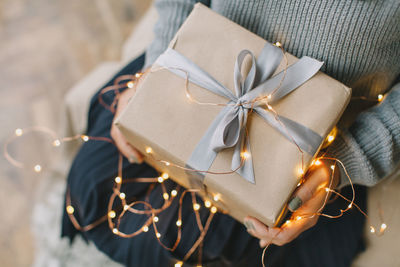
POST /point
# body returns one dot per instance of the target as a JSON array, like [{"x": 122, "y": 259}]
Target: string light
[
  {"x": 130, "y": 84},
  {"x": 155, "y": 219},
  {"x": 112, "y": 214},
  {"x": 213, "y": 209},
  {"x": 85, "y": 138},
  {"x": 217, "y": 197},
  {"x": 165, "y": 175},
  {"x": 18, "y": 132},
  {"x": 126, "y": 207},
  {"x": 37, "y": 168},
  {"x": 317, "y": 162},
  {"x": 158, "y": 235},
  {"x": 56, "y": 143},
  {"x": 165, "y": 196},
  {"x": 196, "y": 206},
  {"x": 372, "y": 229},
  {"x": 167, "y": 163},
  {"x": 380, "y": 97},
  {"x": 278, "y": 44},
  {"x": 70, "y": 209},
  {"x": 383, "y": 227},
  {"x": 207, "y": 203},
  {"x": 178, "y": 223},
  {"x": 178, "y": 264},
  {"x": 160, "y": 179},
  {"x": 115, "y": 231},
  {"x": 149, "y": 150},
  {"x": 332, "y": 167},
  {"x": 174, "y": 193},
  {"x": 122, "y": 195},
  {"x": 145, "y": 228},
  {"x": 138, "y": 75},
  {"x": 245, "y": 155},
  {"x": 118, "y": 180}
]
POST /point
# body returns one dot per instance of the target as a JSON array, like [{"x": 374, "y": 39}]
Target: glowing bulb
[
  {"x": 130, "y": 84},
  {"x": 269, "y": 107},
  {"x": 85, "y": 138},
  {"x": 115, "y": 231},
  {"x": 245, "y": 155},
  {"x": 158, "y": 235},
  {"x": 207, "y": 203},
  {"x": 298, "y": 218},
  {"x": 298, "y": 184},
  {"x": 112, "y": 214},
  {"x": 178, "y": 223},
  {"x": 327, "y": 189},
  {"x": 37, "y": 168},
  {"x": 165, "y": 196},
  {"x": 149, "y": 150},
  {"x": 167, "y": 163},
  {"x": 332, "y": 167},
  {"x": 196, "y": 206},
  {"x": 145, "y": 228},
  {"x": 372, "y": 229},
  {"x": 216, "y": 197},
  {"x": 155, "y": 219},
  {"x": 278, "y": 44},
  {"x": 126, "y": 207},
  {"x": 288, "y": 222},
  {"x": 317, "y": 162},
  {"x": 57, "y": 143},
  {"x": 213, "y": 209},
  {"x": 122, "y": 196},
  {"x": 178, "y": 264},
  {"x": 380, "y": 97},
  {"x": 383, "y": 227},
  {"x": 118, "y": 180},
  {"x": 165, "y": 175},
  {"x": 269, "y": 97},
  {"x": 188, "y": 96},
  {"x": 331, "y": 138},
  {"x": 160, "y": 179},
  {"x": 19, "y": 132},
  {"x": 174, "y": 193},
  {"x": 300, "y": 171},
  {"x": 350, "y": 206},
  {"x": 137, "y": 75},
  {"x": 70, "y": 209}
]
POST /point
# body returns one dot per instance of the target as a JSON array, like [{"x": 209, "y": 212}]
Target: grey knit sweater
[{"x": 359, "y": 41}]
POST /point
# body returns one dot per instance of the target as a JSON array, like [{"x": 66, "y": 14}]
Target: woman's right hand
[{"x": 126, "y": 149}]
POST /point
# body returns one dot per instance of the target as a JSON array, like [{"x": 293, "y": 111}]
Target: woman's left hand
[{"x": 308, "y": 200}]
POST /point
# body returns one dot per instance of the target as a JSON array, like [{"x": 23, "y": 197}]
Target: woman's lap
[{"x": 91, "y": 178}]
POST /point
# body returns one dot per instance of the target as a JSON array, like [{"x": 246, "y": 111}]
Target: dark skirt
[{"x": 332, "y": 242}]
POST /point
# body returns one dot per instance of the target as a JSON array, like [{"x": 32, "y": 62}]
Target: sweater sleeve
[
  {"x": 370, "y": 148},
  {"x": 172, "y": 13}
]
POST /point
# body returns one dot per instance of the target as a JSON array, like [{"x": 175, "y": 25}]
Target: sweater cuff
[{"x": 347, "y": 152}]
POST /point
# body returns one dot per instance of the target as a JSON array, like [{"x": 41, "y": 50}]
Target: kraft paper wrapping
[{"x": 160, "y": 116}]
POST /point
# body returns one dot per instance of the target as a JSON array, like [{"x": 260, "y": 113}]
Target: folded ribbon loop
[{"x": 229, "y": 127}]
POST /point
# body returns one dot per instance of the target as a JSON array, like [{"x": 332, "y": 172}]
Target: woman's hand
[
  {"x": 309, "y": 199},
  {"x": 131, "y": 153}
]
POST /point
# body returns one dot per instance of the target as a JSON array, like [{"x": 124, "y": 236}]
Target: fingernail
[
  {"x": 295, "y": 203},
  {"x": 249, "y": 225}
]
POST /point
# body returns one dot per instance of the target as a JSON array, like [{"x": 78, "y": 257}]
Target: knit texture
[{"x": 359, "y": 41}]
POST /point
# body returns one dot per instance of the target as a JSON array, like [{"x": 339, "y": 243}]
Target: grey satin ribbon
[{"x": 229, "y": 127}]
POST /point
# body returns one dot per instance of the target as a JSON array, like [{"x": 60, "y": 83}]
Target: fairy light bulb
[
  {"x": 126, "y": 207},
  {"x": 85, "y": 138},
  {"x": 196, "y": 206},
  {"x": 115, "y": 231},
  {"x": 178, "y": 264},
  {"x": 145, "y": 228},
  {"x": 332, "y": 167},
  {"x": 300, "y": 171},
  {"x": 165, "y": 196},
  {"x": 298, "y": 218},
  {"x": 160, "y": 179},
  {"x": 317, "y": 162},
  {"x": 19, "y": 132},
  {"x": 383, "y": 227},
  {"x": 278, "y": 44},
  {"x": 372, "y": 229},
  {"x": 245, "y": 155},
  {"x": 213, "y": 209},
  {"x": 380, "y": 97},
  {"x": 122, "y": 195},
  {"x": 130, "y": 84},
  {"x": 165, "y": 175},
  {"x": 138, "y": 75},
  {"x": 118, "y": 180},
  {"x": 207, "y": 203},
  {"x": 155, "y": 219},
  {"x": 149, "y": 150},
  {"x": 167, "y": 163},
  {"x": 37, "y": 168},
  {"x": 158, "y": 235},
  {"x": 112, "y": 214},
  {"x": 70, "y": 209},
  {"x": 174, "y": 193},
  {"x": 178, "y": 223},
  {"x": 350, "y": 206},
  {"x": 56, "y": 143},
  {"x": 331, "y": 138},
  {"x": 217, "y": 197}
]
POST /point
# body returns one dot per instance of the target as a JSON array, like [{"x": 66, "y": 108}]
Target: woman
[{"x": 359, "y": 41}]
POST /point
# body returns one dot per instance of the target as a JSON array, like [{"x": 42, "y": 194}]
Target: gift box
[{"x": 262, "y": 134}]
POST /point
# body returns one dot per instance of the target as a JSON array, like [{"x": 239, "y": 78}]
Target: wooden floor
[{"x": 45, "y": 47}]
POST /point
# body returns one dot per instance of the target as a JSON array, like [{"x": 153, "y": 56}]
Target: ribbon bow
[{"x": 229, "y": 127}]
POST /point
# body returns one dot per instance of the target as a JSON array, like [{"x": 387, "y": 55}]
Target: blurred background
[{"x": 46, "y": 46}]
